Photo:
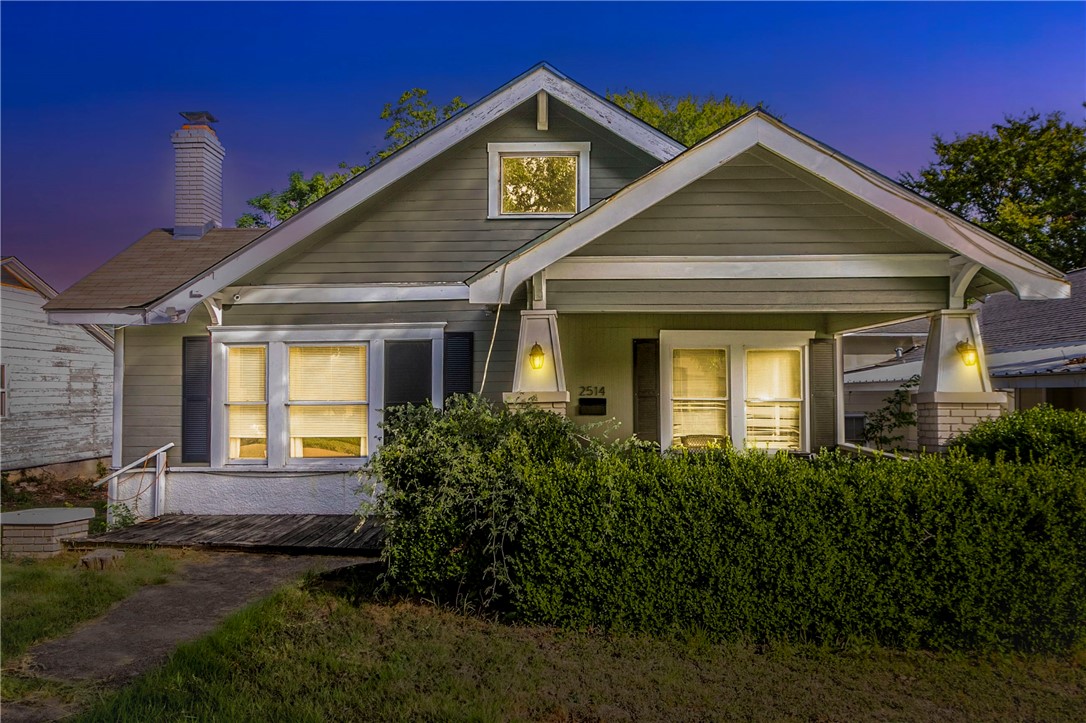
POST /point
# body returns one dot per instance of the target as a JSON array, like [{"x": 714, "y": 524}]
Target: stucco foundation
[{"x": 220, "y": 492}]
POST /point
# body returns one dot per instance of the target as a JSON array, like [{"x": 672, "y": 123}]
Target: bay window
[{"x": 742, "y": 388}]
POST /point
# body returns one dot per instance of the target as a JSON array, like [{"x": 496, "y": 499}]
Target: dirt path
[{"x": 141, "y": 631}]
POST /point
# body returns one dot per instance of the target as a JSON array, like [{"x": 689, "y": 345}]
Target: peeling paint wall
[{"x": 59, "y": 387}]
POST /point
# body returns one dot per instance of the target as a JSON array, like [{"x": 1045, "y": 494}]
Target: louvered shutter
[
  {"x": 823, "y": 381},
  {"x": 196, "y": 399},
  {"x": 408, "y": 372},
  {"x": 647, "y": 389},
  {"x": 459, "y": 362}
]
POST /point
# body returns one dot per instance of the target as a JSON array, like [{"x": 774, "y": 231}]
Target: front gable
[{"x": 432, "y": 226}]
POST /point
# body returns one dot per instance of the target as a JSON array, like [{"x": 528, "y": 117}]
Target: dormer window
[{"x": 538, "y": 180}]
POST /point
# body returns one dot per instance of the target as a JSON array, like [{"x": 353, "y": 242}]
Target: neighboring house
[
  {"x": 1035, "y": 352},
  {"x": 541, "y": 247},
  {"x": 56, "y": 382}
]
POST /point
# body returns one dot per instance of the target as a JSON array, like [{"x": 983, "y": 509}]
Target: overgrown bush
[
  {"x": 516, "y": 513},
  {"x": 1044, "y": 433}
]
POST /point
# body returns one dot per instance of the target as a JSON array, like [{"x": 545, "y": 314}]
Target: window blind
[
  {"x": 246, "y": 373},
  {"x": 328, "y": 373}
]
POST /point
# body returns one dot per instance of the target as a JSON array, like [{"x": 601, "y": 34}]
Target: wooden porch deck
[{"x": 301, "y": 534}]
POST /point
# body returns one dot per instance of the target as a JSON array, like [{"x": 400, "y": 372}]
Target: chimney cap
[{"x": 199, "y": 117}]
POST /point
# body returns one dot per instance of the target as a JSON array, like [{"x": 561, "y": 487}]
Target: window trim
[
  {"x": 495, "y": 151},
  {"x": 278, "y": 339},
  {"x": 5, "y": 391},
  {"x": 736, "y": 343}
]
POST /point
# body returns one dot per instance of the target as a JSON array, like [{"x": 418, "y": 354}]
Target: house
[
  {"x": 541, "y": 247},
  {"x": 56, "y": 383},
  {"x": 1035, "y": 353}
]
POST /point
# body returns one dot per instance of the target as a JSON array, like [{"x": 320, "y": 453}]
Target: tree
[
  {"x": 688, "y": 119},
  {"x": 412, "y": 116},
  {"x": 1025, "y": 182}
]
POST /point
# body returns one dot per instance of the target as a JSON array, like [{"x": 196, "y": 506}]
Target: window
[
  {"x": 3, "y": 390},
  {"x": 538, "y": 180},
  {"x": 246, "y": 402},
  {"x": 854, "y": 428},
  {"x": 327, "y": 397},
  {"x": 699, "y": 397},
  {"x": 312, "y": 397},
  {"x": 774, "y": 396},
  {"x": 743, "y": 388}
]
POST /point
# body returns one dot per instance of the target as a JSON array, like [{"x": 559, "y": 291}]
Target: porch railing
[{"x": 158, "y": 488}]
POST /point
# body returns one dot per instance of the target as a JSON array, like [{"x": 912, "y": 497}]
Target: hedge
[{"x": 521, "y": 514}]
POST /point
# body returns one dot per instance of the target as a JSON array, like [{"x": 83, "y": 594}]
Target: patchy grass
[
  {"x": 43, "y": 599},
  {"x": 315, "y": 656}
]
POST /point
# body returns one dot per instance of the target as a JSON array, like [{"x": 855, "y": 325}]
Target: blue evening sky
[{"x": 90, "y": 91}]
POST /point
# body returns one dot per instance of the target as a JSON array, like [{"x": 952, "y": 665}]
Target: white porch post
[
  {"x": 955, "y": 391},
  {"x": 545, "y": 387}
]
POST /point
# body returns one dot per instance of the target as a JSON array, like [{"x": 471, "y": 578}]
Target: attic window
[{"x": 538, "y": 180}]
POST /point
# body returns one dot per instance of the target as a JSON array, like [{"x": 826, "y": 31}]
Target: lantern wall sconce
[
  {"x": 536, "y": 357},
  {"x": 968, "y": 352}
]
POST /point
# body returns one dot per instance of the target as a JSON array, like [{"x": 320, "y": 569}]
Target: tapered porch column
[
  {"x": 539, "y": 380},
  {"x": 955, "y": 391}
]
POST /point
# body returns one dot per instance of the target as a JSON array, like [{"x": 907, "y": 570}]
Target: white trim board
[
  {"x": 345, "y": 294},
  {"x": 1029, "y": 277},
  {"x": 284, "y": 236},
  {"x": 589, "y": 268}
]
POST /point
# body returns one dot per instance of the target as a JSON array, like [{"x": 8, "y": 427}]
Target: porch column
[
  {"x": 955, "y": 391},
  {"x": 538, "y": 378}
]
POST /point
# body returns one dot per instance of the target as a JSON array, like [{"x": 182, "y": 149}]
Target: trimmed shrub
[
  {"x": 517, "y": 513},
  {"x": 1043, "y": 433}
]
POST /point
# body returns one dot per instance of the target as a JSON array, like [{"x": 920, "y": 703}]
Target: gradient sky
[{"x": 90, "y": 92}]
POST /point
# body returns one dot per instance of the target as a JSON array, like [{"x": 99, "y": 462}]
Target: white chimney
[{"x": 198, "y": 158}]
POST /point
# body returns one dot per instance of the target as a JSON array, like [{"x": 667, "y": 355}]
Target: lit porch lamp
[
  {"x": 536, "y": 357},
  {"x": 968, "y": 352}
]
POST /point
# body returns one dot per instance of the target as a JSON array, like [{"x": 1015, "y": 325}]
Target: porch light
[
  {"x": 536, "y": 357},
  {"x": 968, "y": 352}
]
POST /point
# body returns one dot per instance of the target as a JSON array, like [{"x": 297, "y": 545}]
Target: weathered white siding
[{"x": 60, "y": 387}]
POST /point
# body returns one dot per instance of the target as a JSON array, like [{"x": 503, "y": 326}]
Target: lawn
[{"x": 312, "y": 655}]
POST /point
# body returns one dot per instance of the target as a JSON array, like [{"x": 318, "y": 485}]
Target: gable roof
[
  {"x": 1029, "y": 277},
  {"x": 167, "y": 300},
  {"x": 32, "y": 281}
]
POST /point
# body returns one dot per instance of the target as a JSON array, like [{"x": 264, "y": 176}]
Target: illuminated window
[
  {"x": 247, "y": 402},
  {"x": 538, "y": 179},
  {"x": 328, "y": 403},
  {"x": 774, "y": 396},
  {"x": 699, "y": 397}
]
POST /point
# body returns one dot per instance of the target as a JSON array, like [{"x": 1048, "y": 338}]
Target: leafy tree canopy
[
  {"x": 413, "y": 115},
  {"x": 688, "y": 119},
  {"x": 1025, "y": 182}
]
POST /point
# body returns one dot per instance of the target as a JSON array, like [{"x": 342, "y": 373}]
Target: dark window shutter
[
  {"x": 408, "y": 372},
  {"x": 459, "y": 362},
  {"x": 196, "y": 399},
  {"x": 647, "y": 389},
  {"x": 823, "y": 380}
]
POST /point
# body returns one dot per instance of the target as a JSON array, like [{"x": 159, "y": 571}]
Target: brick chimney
[{"x": 197, "y": 176}]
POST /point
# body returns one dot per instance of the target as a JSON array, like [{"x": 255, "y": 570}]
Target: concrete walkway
[{"x": 141, "y": 631}]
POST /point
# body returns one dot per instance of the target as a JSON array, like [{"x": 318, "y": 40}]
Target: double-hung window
[
  {"x": 328, "y": 401},
  {"x": 247, "y": 402},
  {"x": 538, "y": 180},
  {"x": 742, "y": 388}
]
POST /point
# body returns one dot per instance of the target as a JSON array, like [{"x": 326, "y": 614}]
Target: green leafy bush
[
  {"x": 516, "y": 513},
  {"x": 1056, "y": 436}
]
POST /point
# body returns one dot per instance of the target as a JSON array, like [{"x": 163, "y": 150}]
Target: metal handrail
[{"x": 139, "y": 461}]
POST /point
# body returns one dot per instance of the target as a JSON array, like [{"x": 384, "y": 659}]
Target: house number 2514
[{"x": 591, "y": 391}]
